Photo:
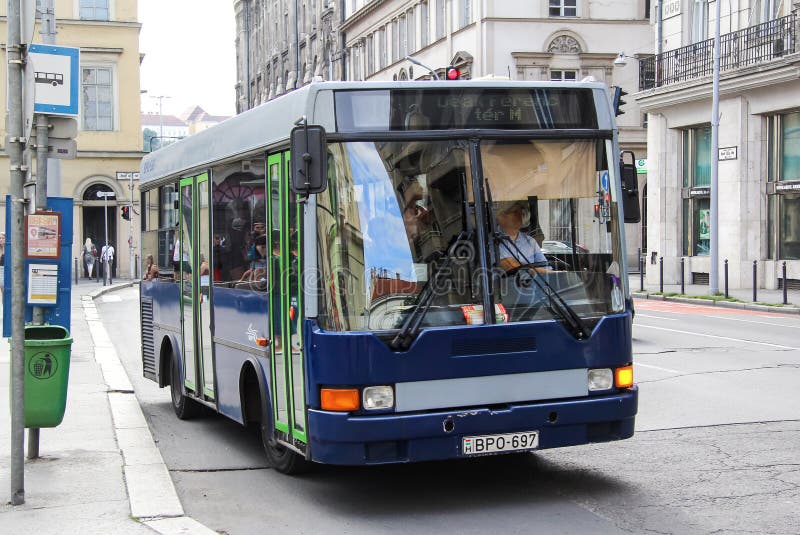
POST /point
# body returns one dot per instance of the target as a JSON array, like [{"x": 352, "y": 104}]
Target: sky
[{"x": 189, "y": 55}]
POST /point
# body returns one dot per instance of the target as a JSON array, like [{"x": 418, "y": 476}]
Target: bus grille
[{"x": 148, "y": 346}]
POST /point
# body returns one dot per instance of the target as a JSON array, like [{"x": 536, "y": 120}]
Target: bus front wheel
[
  {"x": 282, "y": 458},
  {"x": 185, "y": 408}
]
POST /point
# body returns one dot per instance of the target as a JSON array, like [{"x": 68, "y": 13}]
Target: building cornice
[
  {"x": 116, "y": 154},
  {"x": 567, "y": 21},
  {"x": 101, "y": 50},
  {"x": 361, "y": 14},
  {"x": 731, "y": 82},
  {"x": 106, "y": 23}
]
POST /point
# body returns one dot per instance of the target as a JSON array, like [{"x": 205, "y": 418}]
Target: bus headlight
[
  {"x": 378, "y": 397},
  {"x": 600, "y": 379}
]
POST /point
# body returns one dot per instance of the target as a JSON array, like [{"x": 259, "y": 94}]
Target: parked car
[{"x": 562, "y": 247}]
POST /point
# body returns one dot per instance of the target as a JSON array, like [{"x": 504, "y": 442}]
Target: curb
[
  {"x": 783, "y": 309},
  {"x": 153, "y": 499}
]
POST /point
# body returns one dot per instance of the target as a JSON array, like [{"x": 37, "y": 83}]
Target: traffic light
[
  {"x": 126, "y": 212},
  {"x": 618, "y": 102},
  {"x": 452, "y": 73}
]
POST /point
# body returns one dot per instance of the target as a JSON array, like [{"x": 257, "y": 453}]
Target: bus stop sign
[{"x": 51, "y": 76}]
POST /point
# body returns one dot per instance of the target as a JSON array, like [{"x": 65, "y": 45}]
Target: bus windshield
[{"x": 398, "y": 217}]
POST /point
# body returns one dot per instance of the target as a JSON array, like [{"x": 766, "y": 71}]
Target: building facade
[
  {"x": 284, "y": 44},
  {"x": 534, "y": 40},
  {"x": 759, "y": 142},
  {"x": 109, "y": 135}
]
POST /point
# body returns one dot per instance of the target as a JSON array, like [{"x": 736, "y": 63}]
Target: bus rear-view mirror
[
  {"x": 309, "y": 162},
  {"x": 630, "y": 188}
]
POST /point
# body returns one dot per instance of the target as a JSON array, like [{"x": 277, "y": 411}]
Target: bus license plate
[{"x": 527, "y": 440}]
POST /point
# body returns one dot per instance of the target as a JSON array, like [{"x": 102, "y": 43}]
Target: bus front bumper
[{"x": 345, "y": 439}]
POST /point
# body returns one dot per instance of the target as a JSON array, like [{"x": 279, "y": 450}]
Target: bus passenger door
[
  {"x": 286, "y": 306},
  {"x": 183, "y": 274},
  {"x": 293, "y": 308},
  {"x": 203, "y": 285},
  {"x": 195, "y": 283},
  {"x": 279, "y": 392}
]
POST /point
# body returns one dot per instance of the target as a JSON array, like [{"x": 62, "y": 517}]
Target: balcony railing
[{"x": 749, "y": 46}]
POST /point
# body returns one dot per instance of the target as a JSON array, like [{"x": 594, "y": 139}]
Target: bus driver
[{"x": 516, "y": 248}]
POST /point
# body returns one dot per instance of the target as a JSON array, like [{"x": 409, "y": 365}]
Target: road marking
[
  {"x": 717, "y": 337},
  {"x": 759, "y": 322},
  {"x": 656, "y": 367},
  {"x": 638, "y": 315}
]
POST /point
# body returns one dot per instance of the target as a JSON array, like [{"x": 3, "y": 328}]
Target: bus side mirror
[
  {"x": 630, "y": 188},
  {"x": 309, "y": 162}
]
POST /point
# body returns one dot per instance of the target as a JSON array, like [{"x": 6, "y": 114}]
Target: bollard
[
  {"x": 136, "y": 267},
  {"x": 726, "y": 278},
  {"x": 76, "y": 270},
  {"x": 755, "y": 278},
  {"x": 97, "y": 265},
  {"x": 683, "y": 289},
  {"x": 785, "y": 296},
  {"x": 661, "y": 274},
  {"x": 641, "y": 273}
]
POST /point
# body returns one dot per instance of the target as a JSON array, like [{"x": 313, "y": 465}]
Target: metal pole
[
  {"x": 48, "y": 33},
  {"x": 641, "y": 273},
  {"x": 726, "y": 278},
  {"x": 42, "y": 141},
  {"x": 17, "y": 170},
  {"x": 713, "y": 286},
  {"x": 76, "y": 270},
  {"x": 661, "y": 274},
  {"x": 130, "y": 232},
  {"x": 785, "y": 296},
  {"x": 755, "y": 279},
  {"x": 104, "y": 251},
  {"x": 683, "y": 289}
]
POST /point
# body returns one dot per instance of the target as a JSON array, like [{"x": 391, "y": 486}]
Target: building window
[
  {"x": 562, "y": 75},
  {"x": 395, "y": 41},
  {"x": 696, "y": 167},
  {"x": 563, "y": 8},
  {"x": 94, "y": 9},
  {"x": 440, "y": 19},
  {"x": 783, "y": 141},
  {"x": 382, "y": 55},
  {"x": 699, "y": 20},
  {"x": 411, "y": 32},
  {"x": 766, "y": 10},
  {"x": 402, "y": 38},
  {"x": 424, "y": 34},
  {"x": 98, "y": 99},
  {"x": 465, "y": 15},
  {"x": 370, "y": 55}
]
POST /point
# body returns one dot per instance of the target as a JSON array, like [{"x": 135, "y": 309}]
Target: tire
[
  {"x": 282, "y": 458},
  {"x": 185, "y": 408}
]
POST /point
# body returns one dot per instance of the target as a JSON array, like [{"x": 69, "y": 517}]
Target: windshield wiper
[
  {"x": 412, "y": 324},
  {"x": 557, "y": 303}
]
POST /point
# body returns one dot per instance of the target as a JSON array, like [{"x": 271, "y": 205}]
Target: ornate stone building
[{"x": 284, "y": 44}]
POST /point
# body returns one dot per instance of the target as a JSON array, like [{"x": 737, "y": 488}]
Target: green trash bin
[{"x": 47, "y": 353}]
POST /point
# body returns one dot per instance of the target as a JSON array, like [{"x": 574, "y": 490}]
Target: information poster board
[
  {"x": 43, "y": 236},
  {"x": 42, "y": 284}
]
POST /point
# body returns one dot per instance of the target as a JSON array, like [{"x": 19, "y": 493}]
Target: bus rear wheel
[
  {"x": 185, "y": 408},
  {"x": 282, "y": 458}
]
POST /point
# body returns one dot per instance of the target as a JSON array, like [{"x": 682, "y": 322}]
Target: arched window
[{"x": 91, "y": 192}]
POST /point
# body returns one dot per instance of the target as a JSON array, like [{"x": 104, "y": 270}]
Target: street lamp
[{"x": 105, "y": 195}]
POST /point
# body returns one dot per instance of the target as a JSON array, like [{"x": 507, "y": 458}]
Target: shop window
[
  {"x": 783, "y": 208},
  {"x": 696, "y": 180}
]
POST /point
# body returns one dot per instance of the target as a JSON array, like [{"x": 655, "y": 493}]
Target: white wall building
[
  {"x": 759, "y": 140},
  {"x": 530, "y": 40}
]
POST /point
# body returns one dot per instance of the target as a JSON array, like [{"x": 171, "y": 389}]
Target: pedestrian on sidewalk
[
  {"x": 107, "y": 257},
  {"x": 89, "y": 255}
]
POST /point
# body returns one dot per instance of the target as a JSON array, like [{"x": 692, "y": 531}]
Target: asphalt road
[{"x": 716, "y": 450}]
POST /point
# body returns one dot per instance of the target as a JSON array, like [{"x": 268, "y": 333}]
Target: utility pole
[
  {"x": 130, "y": 228},
  {"x": 713, "y": 278},
  {"x": 160, "y": 122},
  {"x": 17, "y": 171}
]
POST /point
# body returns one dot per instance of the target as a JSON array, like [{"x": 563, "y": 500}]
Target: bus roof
[{"x": 270, "y": 124}]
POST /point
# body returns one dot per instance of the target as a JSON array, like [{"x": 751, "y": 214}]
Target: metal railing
[{"x": 749, "y": 46}]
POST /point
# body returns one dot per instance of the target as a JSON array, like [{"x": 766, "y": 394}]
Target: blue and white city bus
[{"x": 355, "y": 268}]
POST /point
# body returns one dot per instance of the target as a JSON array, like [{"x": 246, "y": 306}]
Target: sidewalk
[
  {"x": 767, "y": 300},
  {"x": 99, "y": 471}
]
